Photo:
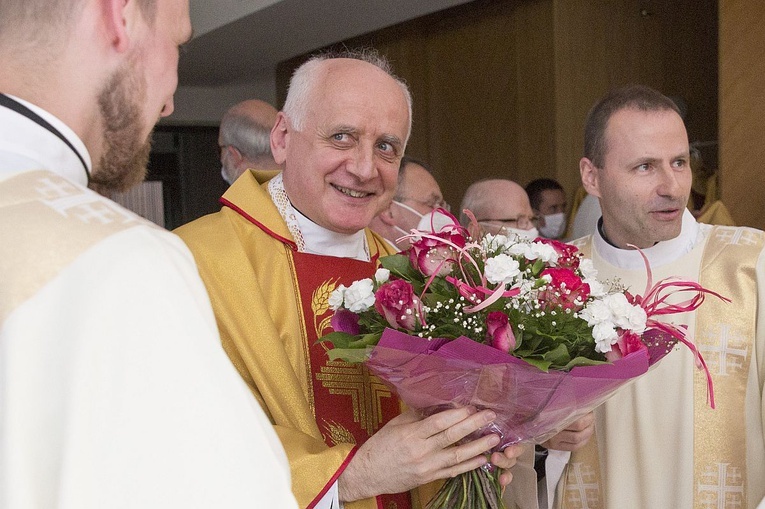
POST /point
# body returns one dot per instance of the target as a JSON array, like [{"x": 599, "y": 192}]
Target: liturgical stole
[
  {"x": 349, "y": 403},
  {"x": 719, "y": 456}
]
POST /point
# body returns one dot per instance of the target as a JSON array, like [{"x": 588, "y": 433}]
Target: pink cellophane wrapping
[{"x": 531, "y": 405}]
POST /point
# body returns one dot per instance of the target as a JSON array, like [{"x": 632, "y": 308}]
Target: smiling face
[
  {"x": 341, "y": 168},
  {"x": 645, "y": 180}
]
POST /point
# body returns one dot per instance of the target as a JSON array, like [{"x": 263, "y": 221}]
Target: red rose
[
  {"x": 499, "y": 332},
  {"x": 564, "y": 289},
  {"x": 395, "y": 300}
]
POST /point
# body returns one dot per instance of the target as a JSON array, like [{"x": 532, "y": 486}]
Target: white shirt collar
[
  {"x": 659, "y": 254},
  {"x": 37, "y": 148},
  {"x": 319, "y": 240},
  {"x": 309, "y": 236}
]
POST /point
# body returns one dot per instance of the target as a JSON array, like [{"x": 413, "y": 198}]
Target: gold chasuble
[
  {"x": 271, "y": 304},
  {"x": 727, "y": 442}
]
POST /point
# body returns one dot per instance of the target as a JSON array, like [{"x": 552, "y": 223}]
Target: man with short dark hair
[
  {"x": 658, "y": 443},
  {"x": 417, "y": 197},
  {"x": 272, "y": 256},
  {"x": 548, "y": 201},
  {"x": 114, "y": 389}
]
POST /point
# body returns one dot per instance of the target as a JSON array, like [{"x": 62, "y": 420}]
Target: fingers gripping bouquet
[{"x": 522, "y": 327}]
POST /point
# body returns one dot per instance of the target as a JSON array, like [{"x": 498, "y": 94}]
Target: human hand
[
  {"x": 410, "y": 451},
  {"x": 575, "y": 436},
  {"x": 505, "y": 460}
]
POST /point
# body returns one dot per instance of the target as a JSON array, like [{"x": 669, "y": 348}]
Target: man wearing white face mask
[
  {"x": 548, "y": 201},
  {"x": 415, "y": 204},
  {"x": 499, "y": 206}
]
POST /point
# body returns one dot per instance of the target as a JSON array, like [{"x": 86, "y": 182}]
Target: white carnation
[
  {"x": 619, "y": 306},
  {"x": 360, "y": 296},
  {"x": 633, "y": 320},
  {"x": 597, "y": 289},
  {"x": 501, "y": 269},
  {"x": 587, "y": 269},
  {"x": 542, "y": 251},
  {"x": 382, "y": 275},
  {"x": 336, "y": 298},
  {"x": 596, "y": 312},
  {"x": 491, "y": 242},
  {"x": 605, "y": 335}
]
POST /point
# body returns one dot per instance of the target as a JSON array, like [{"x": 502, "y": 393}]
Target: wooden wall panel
[
  {"x": 742, "y": 110},
  {"x": 502, "y": 87}
]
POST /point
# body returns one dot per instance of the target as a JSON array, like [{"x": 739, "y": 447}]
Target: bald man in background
[
  {"x": 244, "y": 139},
  {"x": 499, "y": 206}
]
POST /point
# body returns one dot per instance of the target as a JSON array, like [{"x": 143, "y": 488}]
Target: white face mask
[
  {"x": 433, "y": 221},
  {"x": 555, "y": 225}
]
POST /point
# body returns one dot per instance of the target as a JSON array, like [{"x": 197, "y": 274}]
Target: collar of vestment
[
  {"x": 311, "y": 237},
  {"x": 26, "y": 145},
  {"x": 659, "y": 254},
  {"x": 278, "y": 218}
]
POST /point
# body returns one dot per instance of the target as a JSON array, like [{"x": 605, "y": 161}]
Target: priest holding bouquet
[{"x": 273, "y": 255}]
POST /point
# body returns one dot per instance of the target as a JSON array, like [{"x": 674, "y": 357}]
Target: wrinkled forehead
[{"x": 349, "y": 88}]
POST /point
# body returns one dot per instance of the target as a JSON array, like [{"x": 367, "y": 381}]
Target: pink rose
[
  {"x": 499, "y": 331},
  {"x": 564, "y": 290},
  {"x": 430, "y": 255},
  {"x": 627, "y": 343},
  {"x": 568, "y": 254},
  {"x": 395, "y": 300}
]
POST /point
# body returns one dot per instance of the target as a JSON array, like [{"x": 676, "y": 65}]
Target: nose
[
  {"x": 672, "y": 181},
  {"x": 168, "y": 108},
  {"x": 363, "y": 165}
]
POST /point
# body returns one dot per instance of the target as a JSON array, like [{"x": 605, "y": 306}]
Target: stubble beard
[{"x": 125, "y": 158}]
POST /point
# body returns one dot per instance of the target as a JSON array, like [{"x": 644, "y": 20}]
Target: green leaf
[
  {"x": 400, "y": 266},
  {"x": 338, "y": 339},
  {"x": 352, "y": 355}
]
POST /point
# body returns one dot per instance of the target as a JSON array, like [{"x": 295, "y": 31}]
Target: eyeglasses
[
  {"x": 521, "y": 222},
  {"x": 432, "y": 204}
]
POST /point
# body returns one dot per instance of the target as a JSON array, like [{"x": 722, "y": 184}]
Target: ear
[
  {"x": 279, "y": 139},
  {"x": 118, "y": 16},
  {"x": 589, "y": 174},
  {"x": 386, "y": 216}
]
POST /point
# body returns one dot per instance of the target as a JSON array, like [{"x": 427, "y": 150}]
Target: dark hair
[
  {"x": 535, "y": 187},
  {"x": 638, "y": 97},
  {"x": 402, "y": 169}
]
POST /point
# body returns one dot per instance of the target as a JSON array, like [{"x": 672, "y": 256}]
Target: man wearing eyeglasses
[
  {"x": 499, "y": 206},
  {"x": 417, "y": 197}
]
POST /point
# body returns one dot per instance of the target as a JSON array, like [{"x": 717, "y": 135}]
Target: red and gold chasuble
[{"x": 349, "y": 403}]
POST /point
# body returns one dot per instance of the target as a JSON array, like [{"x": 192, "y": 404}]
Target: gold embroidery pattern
[
  {"x": 722, "y": 485},
  {"x": 320, "y": 306},
  {"x": 365, "y": 390},
  {"x": 582, "y": 490},
  {"x": 337, "y": 433}
]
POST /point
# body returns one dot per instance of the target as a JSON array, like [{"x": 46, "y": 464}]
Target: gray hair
[
  {"x": 251, "y": 138},
  {"x": 305, "y": 77}
]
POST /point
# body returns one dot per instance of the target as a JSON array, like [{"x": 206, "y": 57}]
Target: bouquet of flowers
[{"x": 522, "y": 327}]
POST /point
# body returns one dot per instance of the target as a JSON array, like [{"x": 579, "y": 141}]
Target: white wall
[{"x": 206, "y": 105}]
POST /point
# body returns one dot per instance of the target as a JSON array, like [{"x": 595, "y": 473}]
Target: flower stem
[{"x": 477, "y": 489}]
